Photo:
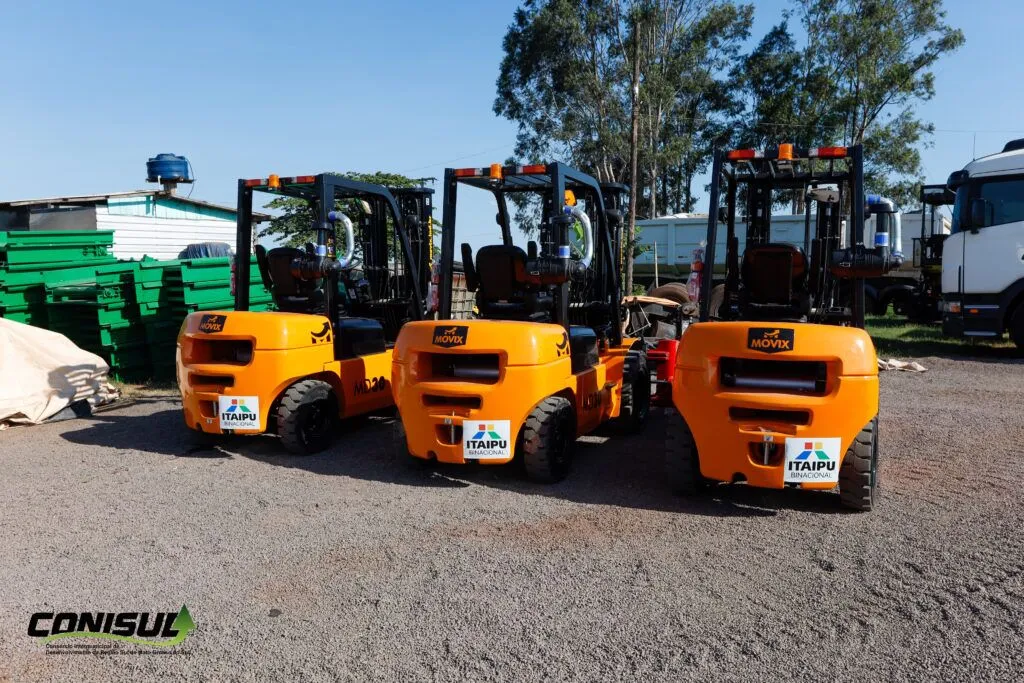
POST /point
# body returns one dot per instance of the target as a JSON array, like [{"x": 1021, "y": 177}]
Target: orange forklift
[
  {"x": 545, "y": 360},
  {"x": 324, "y": 354},
  {"x": 778, "y": 388}
]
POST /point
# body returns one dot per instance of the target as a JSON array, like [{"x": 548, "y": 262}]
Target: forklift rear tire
[
  {"x": 636, "y": 393},
  {"x": 549, "y": 438},
  {"x": 858, "y": 476},
  {"x": 307, "y": 417},
  {"x": 682, "y": 463}
]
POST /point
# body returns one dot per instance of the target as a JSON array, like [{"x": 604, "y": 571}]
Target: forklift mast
[
  {"x": 549, "y": 265},
  {"x": 823, "y": 282},
  {"x": 928, "y": 247},
  {"x": 616, "y": 204},
  {"x": 396, "y": 274}
]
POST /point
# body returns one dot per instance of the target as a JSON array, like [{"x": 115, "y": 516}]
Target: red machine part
[{"x": 662, "y": 362}]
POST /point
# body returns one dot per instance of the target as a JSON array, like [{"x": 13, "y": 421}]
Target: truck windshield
[
  {"x": 1004, "y": 202},
  {"x": 960, "y": 208}
]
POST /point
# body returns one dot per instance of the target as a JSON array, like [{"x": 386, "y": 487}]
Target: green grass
[{"x": 895, "y": 337}]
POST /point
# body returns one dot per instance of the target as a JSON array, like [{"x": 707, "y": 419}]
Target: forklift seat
[
  {"x": 355, "y": 337},
  {"x": 291, "y": 294},
  {"x": 773, "y": 272},
  {"x": 583, "y": 347},
  {"x": 502, "y": 290}
]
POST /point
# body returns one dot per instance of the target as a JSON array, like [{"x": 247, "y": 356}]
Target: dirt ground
[{"x": 355, "y": 565}]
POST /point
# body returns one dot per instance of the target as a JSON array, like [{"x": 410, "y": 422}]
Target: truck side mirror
[{"x": 979, "y": 214}]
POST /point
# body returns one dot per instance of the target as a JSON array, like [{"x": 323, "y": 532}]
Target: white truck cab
[{"x": 983, "y": 258}]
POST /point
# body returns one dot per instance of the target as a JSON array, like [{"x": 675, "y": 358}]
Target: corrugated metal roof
[{"x": 88, "y": 199}]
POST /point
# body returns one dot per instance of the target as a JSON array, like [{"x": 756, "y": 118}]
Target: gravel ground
[{"x": 354, "y": 564}]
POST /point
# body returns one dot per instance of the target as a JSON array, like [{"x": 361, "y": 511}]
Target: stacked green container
[
  {"x": 128, "y": 312},
  {"x": 31, "y": 260},
  {"x": 100, "y": 314},
  {"x": 167, "y": 291}
]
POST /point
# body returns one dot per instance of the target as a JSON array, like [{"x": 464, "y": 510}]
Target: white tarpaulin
[
  {"x": 42, "y": 372},
  {"x": 906, "y": 366}
]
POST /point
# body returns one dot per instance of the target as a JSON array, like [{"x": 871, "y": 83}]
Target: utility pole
[
  {"x": 633, "y": 155},
  {"x": 655, "y": 264}
]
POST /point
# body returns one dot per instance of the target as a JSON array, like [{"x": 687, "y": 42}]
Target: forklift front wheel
[
  {"x": 307, "y": 417},
  {"x": 549, "y": 437}
]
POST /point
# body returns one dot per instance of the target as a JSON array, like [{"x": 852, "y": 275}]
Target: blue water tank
[{"x": 165, "y": 167}]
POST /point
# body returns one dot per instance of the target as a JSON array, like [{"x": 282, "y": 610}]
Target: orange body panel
[
  {"x": 533, "y": 362},
  {"x": 286, "y": 347},
  {"x": 730, "y": 424}
]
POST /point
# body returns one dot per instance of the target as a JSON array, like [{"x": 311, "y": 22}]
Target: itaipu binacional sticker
[
  {"x": 813, "y": 460},
  {"x": 239, "y": 412},
  {"x": 486, "y": 439}
]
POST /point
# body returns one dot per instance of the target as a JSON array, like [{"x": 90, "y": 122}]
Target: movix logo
[{"x": 770, "y": 339}]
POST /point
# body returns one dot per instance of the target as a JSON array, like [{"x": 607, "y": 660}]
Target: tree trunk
[
  {"x": 655, "y": 123},
  {"x": 689, "y": 191},
  {"x": 679, "y": 189},
  {"x": 654, "y": 190},
  {"x": 665, "y": 189},
  {"x": 634, "y": 185}
]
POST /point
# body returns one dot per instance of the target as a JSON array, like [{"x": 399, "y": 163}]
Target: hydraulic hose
[
  {"x": 588, "y": 234},
  {"x": 350, "y": 237}
]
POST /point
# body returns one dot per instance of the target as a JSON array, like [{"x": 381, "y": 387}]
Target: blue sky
[{"x": 90, "y": 91}]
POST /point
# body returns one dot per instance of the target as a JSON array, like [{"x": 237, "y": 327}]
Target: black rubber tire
[
  {"x": 682, "y": 463},
  {"x": 858, "y": 475},
  {"x": 1017, "y": 327},
  {"x": 716, "y": 300},
  {"x": 673, "y": 291},
  {"x": 549, "y": 440},
  {"x": 307, "y": 417},
  {"x": 636, "y": 393},
  {"x": 872, "y": 305}
]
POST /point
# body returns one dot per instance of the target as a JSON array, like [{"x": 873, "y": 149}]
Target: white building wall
[{"x": 161, "y": 238}]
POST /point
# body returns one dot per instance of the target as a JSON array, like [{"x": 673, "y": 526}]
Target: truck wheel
[
  {"x": 858, "y": 476},
  {"x": 549, "y": 437},
  {"x": 673, "y": 291},
  {"x": 682, "y": 464},
  {"x": 636, "y": 393},
  {"x": 1017, "y": 327},
  {"x": 307, "y": 417}
]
